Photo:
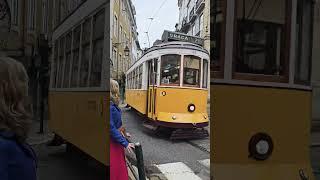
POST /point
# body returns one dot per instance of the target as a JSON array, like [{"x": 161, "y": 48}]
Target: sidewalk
[{"x": 35, "y": 138}]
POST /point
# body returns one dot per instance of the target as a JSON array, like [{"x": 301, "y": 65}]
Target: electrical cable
[
  {"x": 252, "y": 8},
  {"x": 256, "y": 11},
  {"x": 154, "y": 15}
]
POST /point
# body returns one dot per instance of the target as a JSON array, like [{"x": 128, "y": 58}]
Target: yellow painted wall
[
  {"x": 81, "y": 119},
  {"x": 239, "y": 112},
  {"x": 137, "y": 99}
]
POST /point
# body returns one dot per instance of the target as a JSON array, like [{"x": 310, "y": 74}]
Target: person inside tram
[
  {"x": 118, "y": 140},
  {"x": 17, "y": 159}
]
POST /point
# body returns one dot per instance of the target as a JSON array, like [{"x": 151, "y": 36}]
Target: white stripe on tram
[{"x": 177, "y": 170}]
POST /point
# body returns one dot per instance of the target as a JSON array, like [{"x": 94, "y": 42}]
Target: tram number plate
[{"x": 92, "y": 105}]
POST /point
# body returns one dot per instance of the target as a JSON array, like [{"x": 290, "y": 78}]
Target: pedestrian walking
[
  {"x": 118, "y": 141},
  {"x": 17, "y": 159}
]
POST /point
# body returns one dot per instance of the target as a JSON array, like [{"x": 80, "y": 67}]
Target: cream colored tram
[
  {"x": 261, "y": 90},
  {"x": 169, "y": 85}
]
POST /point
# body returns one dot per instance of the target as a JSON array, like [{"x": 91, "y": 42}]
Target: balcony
[
  {"x": 192, "y": 16},
  {"x": 200, "y": 6},
  {"x": 185, "y": 25}
]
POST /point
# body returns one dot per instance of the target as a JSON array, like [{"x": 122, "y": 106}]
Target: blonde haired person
[
  {"x": 17, "y": 159},
  {"x": 118, "y": 142}
]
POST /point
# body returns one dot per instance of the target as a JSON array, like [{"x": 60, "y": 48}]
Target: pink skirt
[{"x": 118, "y": 167}]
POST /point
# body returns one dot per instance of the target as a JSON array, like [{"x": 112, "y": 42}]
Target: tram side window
[
  {"x": 217, "y": 21},
  {"x": 140, "y": 77},
  {"x": 205, "y": 74},
  {"x": 68, "y": 61},
  {"x": 75, "y": 61},
  {"x": 191, "y": 71},
  {"x": 97, "y": 54},
  {"x": 303, "y": 42},
  {"x": 133, "y": 79},
  {"x": 55, "y": 65},
  {"x": 61, "y": 62},
  {"x": 84, "y": 68},
  {"x": 137, "y": 78},
  {"x": 170, "y": 69},
  {"x": 260, "y": 39}
]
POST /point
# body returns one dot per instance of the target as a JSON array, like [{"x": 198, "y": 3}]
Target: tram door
[{"x": 152, "y": 90}]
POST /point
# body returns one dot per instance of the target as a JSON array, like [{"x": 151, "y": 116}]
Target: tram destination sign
[{"x": 175, "y": 36}]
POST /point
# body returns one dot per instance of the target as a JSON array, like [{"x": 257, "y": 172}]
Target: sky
[{"x": 165, "y": 13}]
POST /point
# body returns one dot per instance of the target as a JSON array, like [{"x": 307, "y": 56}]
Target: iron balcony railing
[
  {"x": 192, "y": 15},
  {"x": 199, "y": 5}
]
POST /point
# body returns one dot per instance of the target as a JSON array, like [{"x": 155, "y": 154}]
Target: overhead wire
[
  {"x": 156, "y": 13},
  {"x": 152, "y": 18}
]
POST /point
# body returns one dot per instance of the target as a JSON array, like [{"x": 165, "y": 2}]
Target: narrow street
[
  {"x": 54, "y": 163},
  {"x": 161, "y": 152}
]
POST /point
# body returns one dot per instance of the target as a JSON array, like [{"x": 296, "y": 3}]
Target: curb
[{"x": 154, "y": 173}]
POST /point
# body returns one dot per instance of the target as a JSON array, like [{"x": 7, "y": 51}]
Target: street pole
[
  {"x": 140, "y": 163},
  {"x": 44, "y": 52}
]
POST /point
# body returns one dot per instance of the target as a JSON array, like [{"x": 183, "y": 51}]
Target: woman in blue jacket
[
  {"x": 118, "y": 142},
  {"x": 17, "y": 159}
]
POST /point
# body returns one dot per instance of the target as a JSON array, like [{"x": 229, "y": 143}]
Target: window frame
[
  {"x": 199, "y": 75},
  {"x": 203, "y": 75},
  {"x": 284, "y": 48},
  {"x": 218, "y": 71},
  {"x": 180, "y": 71}
]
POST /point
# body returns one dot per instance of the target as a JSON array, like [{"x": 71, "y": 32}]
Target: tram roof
[{"x": 173, "y": 45}]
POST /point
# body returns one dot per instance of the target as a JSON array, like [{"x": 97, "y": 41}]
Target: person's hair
[
  {"x": 114, "y": 92},
  {"x": 14, "y": 114}
]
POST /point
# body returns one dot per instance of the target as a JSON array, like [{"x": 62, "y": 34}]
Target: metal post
[
  {"x": 41, "y": 101},
  {"x": 140, "y": 163}
]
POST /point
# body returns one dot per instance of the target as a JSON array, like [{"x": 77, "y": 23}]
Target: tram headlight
[
  {"x": 260, "y": 146},
  {"x": 191, "y": 108}
]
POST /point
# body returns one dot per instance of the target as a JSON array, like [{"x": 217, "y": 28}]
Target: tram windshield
[
  {"x": 170, "y": 69},
  {"x": 191, "y": 71},
  {"x": 205, "y": 73}
]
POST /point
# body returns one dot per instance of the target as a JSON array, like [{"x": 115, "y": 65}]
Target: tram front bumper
[{"x": 183, "y": 120}]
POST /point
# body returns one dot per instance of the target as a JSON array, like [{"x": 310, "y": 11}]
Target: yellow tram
[
  {"x": 79, "y": 87},
  {"x": 169, "y": 85},
  {"x": 261, "y": 90}
]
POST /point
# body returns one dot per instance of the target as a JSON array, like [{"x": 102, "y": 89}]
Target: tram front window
[
  {"x": 191, "y": 71},
  {"x": 170, "y": 70},
  {"x": 261, "y": 37},
  {"x": 205, "y": 74}
]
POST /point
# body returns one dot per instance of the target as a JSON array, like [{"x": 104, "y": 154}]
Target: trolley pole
[{"x": 140, "y": 163}]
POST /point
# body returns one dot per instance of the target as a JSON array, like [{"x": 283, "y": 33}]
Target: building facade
[
  {"x": 124, "y": 37},
  {"x": 25, "y": 33},
  {"x": 194, "y": 19},
  {"x": 29, "y": 20}
]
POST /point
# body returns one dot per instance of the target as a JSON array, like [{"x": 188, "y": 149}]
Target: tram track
[{"x": 203, "y": 149}]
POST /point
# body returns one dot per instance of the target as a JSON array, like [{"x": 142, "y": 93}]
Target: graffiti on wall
[{"x": 5, "y": 23}]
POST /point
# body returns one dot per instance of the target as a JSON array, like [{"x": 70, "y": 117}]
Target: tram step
[
  {"x": 150, "y": 126},
  {"x": 180, "y": 134}
]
